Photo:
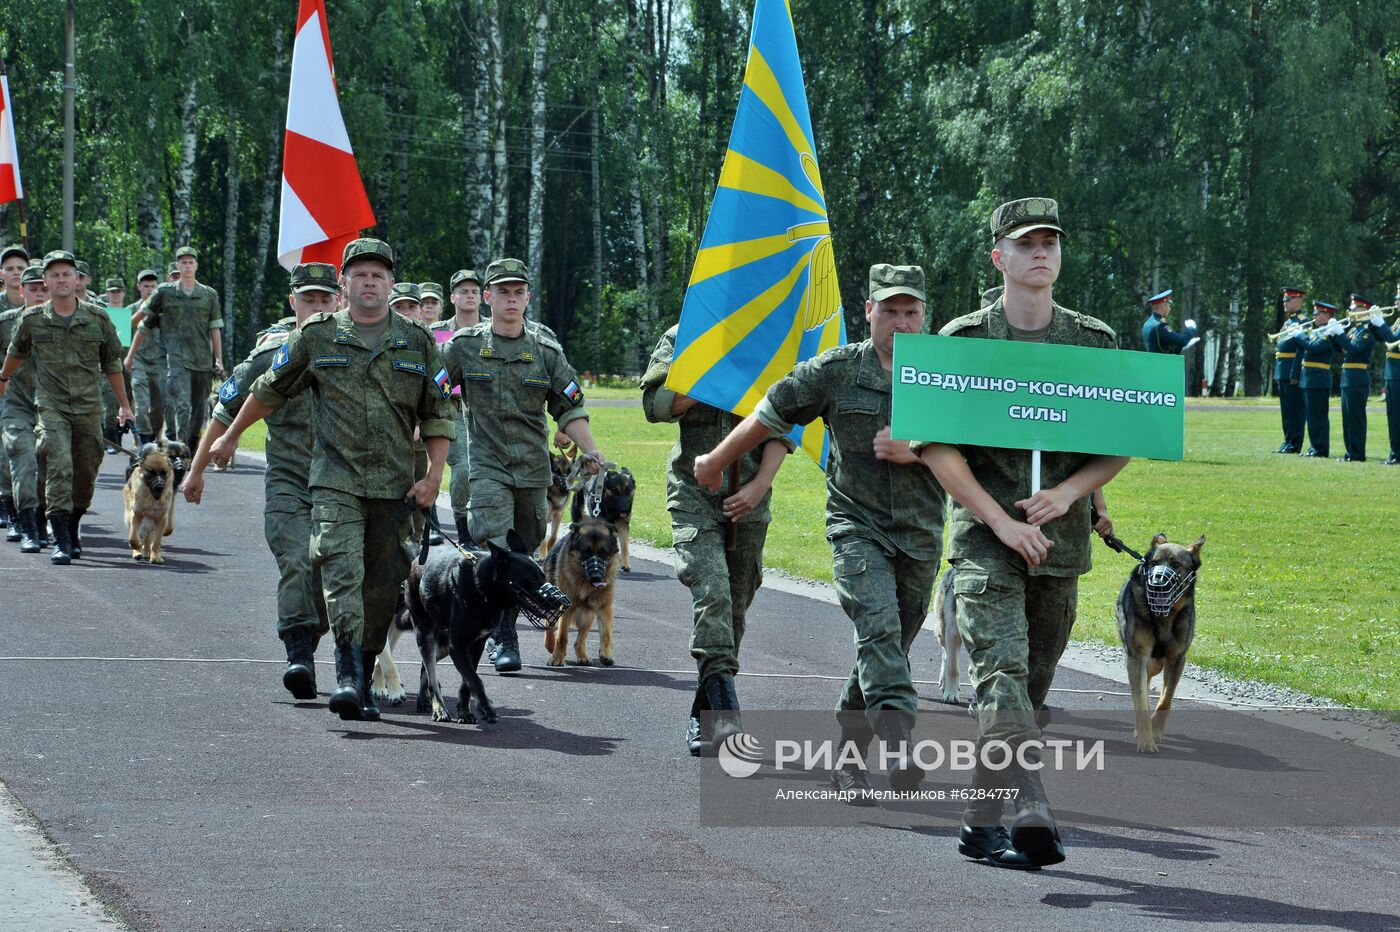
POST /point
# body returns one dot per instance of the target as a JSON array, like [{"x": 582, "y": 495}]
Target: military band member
[
  {"x": 23, "y": 477},
  {"x": 366, "y": 366},
  {"x": 1319, "y": 348},
  {"x": 193, "y": 325},
  {"x": 465, "y": 293},
  {"x": 512, "y": 377},
  {"x": 1392, "y": 393},
  {"x": 287, "y": 522},
  {"x": 1018, "y": 556},
  {"x": 73, "y": 346},
  {"x": 722, "y": 580},
  {"x": 1359, "y": 344},
  {"x": 1288, "y": 364},
  {"x": 884, "y": 519},
  {"x": 1157, "y": 333}
]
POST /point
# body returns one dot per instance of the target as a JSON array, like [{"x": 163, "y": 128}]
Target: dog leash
[
  {"x": 1113, "y": 542},
  {"x": 593, "y": 484},
  {"x": 431, "y": 524}
]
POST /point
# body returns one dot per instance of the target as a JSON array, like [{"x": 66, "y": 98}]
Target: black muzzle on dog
[
  {"x": 543, "y": 606},
  {"x": 595, "y": 567}
]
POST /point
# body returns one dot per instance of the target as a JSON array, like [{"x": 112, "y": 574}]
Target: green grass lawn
[{"x": 1301, "y": 583}]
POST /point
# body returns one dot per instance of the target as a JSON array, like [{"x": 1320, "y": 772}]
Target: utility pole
[{"x": 70, "y": 89}]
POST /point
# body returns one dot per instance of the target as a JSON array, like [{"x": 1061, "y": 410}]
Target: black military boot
[
  {"x": 74, "y": 517},
  {"x": 146, "y": 438},
  {"x": 349, "y": 671},
  {"x": 895, "y": 730},
  {"x": 505, "y": 655},
  {"x": 981, "y": 836},
  {"x": 724, "y": 708},
  {"x": 697, "y": 732},
  {"x": 464, "y": 535},
  {"x": 852, "y": 779},
  {"x": 62, "y": 548},
  {"x": 368, "y": 707},
  {"x": 1033, "y": 831},
  {"x": 9, "y": 518},
  {"x": 300, "y": 675},
  {"x": 29, "y": 522}
]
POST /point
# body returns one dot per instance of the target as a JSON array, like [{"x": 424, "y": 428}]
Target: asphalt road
[{"x": 197, "y": 794}]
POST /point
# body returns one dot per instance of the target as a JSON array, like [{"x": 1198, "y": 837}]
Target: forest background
[{"x": 1218, "y": 148}]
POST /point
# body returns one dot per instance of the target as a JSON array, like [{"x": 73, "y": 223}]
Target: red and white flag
[
  {"x": 324, "y": 205},
  {"x": 11, "y": 188}
]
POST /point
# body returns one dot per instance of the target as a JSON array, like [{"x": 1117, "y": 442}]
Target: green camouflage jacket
[
  {"x": 70, "y": 355},
  {"x": 186, "y": 319},
  {"x": 290, "y": 437}
]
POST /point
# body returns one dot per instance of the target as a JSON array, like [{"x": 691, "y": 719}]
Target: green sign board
[
  {"x": 121, "y": 319},
  {"x": 1038, "y": 396}
]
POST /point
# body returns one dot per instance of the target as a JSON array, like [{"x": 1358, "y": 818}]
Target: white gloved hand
[
  {"x": 1190, "y": 325},
  {"x": 1333, "y": 329},
  {"x": 1377, "y": 320}
]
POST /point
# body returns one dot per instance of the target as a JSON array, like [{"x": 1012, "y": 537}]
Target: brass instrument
[{"x": 1393, "y": 347}]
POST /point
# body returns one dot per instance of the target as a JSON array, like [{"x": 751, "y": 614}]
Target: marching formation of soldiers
[{"x": 1306, "y": 350}]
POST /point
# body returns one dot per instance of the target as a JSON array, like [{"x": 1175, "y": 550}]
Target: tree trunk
[
  {"x": 540, "y": 78},
  {"x": 184, "y": 178},
  {"x": 596, "y": 173},
  {"x": 230, "y": 335},
  {"x": 646, "y": 318},
  {"x": 149, "y": 220},
  {"x": 271, "y": 177},
  {"x": 500, "y": 199},
  {"x": 477, "y": 130},
  {"x": 1255, "y": 214}
]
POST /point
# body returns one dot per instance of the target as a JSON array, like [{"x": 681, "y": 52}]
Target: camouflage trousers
[
  {"x": 287, "y": 530},
  {"x": 109, "y": 401},
  {"x": 496, "y": 508},
  {"x": 1015, "y": 627},
  {"x": 360, "y": 547},
  {"x": 459, "y": 458},
  {"x": 886, "y": 596},
  {"x": 722, "y": 584},
  {"x": 6, "y": 478},
  {"x": 71, "y": 446},
  {"x": 21, "y": 460},
  {"x": 186, "y": 394},
  {"x": 147, "y": 397}
]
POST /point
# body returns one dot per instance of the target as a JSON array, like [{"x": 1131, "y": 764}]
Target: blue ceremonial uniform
[
  {"x": 1288, "y": 365},
  {"x": 1392, "y": 403},
  {"x": 1316, "y": 382},
  {"x": 1358, "y": 346},
  {"x": 1158, "y": 336}
]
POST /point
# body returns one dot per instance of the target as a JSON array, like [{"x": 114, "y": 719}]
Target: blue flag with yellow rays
[{"x": 762, "y": 295}]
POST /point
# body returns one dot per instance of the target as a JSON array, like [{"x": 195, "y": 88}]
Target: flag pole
[
  {"x": 1035, "y": 471},
  {"x": 70, "y": 89},
  {"x": 23, "y": 224}
]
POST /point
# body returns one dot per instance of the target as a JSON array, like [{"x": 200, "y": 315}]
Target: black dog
[
  {"x": 614, "y": 506},
  {"x": 455, "y": 602}
]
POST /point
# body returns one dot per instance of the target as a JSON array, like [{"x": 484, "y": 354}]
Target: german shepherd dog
[
  {"x": 615, "y": 508},
  {"x": 1156, "y": 616},
  {"x": 583, "y": 564},
  {"x": 560, "y": 465},
  {"x": 453, "y": 604},
  {"x": 149, "y": 497}
]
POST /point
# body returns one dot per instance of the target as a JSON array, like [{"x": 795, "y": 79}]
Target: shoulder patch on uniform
[
  {"x": 400, "y": 343},
  {"x": 342, "y": 337},
  {"x": 486, "y": 351},
  {"x": 284, "y": 352},
  {"x": 573, "y": 393},
  {"x": 229, "y": 390},
  {"x": 408, "y": 365},
  {"x": 443, "y": 383}
]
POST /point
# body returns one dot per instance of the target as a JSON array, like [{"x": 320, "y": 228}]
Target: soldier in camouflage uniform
[
  {"x": 73, "y": 346},
  {"x": 301, "y": 609},
  {"x": 114, "y": 298},
  {"x": 13, "y": 261},
  {"x": 1018, "y": 556},
  {"x": 148, "y": 372},
  {"x": 189, "y": 311},
  {"x": 368, "y": 367},
  {"x": 884, "y": 516},
  {"x": 512, "y": 375},
  {"x": 465, "y": 289},
  {"x": 722, "y": 581},
  {"x": 406, "y": 300},
  {"x": 432, "y": 302},
  {"x": 18, "y": 419}
]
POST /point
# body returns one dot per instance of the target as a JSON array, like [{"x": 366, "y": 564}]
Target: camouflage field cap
[
  {"x": 507, "y": 270},
  {"x": 144, "y": 274},
  {"x": 14, "y": 249},
  {"x": 82, "y": 268},
  {"x": 172, "y": 269},
  {"x": 367, "y": 248},
  {"x": 31, "y": 273},
  {"x": 186, "y": 251},
  {"x": 115, "y": 284},
  {"x": 314, "y": 276},
  {"x": 59, "y": 255},
  {"x": 463, "y": 275},
  {"x": 886, "y": 281},
  {"x": 430, "y": 290},
  {"x": 405, "y": 291},
  {"x": 1360, "y": 301},
  {"x": 1015, "y": 219}
]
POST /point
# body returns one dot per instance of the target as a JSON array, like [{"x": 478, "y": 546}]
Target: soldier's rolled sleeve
[
  {"x": 110, "y": 354},
  {"x": 434, "y": 409},
  {"x": 561, "y": 405},
  {"x": 244, "y": 377},
  {"x": 798, "y": 398},
  {"x": 278, "y": 385},
  {"x": 768, "y": 416},
  {"x": 216, "y": 324},
  {"x": 657, "y": 401}
]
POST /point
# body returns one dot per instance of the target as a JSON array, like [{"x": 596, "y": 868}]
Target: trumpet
[
  {"x": 1289, "y": 331},
  {"x": 1393, "y": 347},
  {"x": 1362, "y": 314}
]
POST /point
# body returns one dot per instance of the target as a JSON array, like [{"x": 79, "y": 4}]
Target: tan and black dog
[
  {"x": 149, "y": 496},
  {"x": 614, "y": 507},
  {"x": 583, "y": 564},
  {"x": 1156, "y": 616},
  {"x": 561, "y": 463}
]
